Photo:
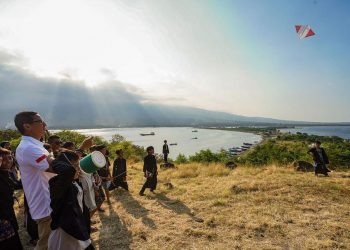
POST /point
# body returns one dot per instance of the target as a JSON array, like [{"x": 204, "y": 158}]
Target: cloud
[
  {"x": 7, "y": 58},
  {"x": 64, "y": 102},
  {"x": 69, "y": 103}
]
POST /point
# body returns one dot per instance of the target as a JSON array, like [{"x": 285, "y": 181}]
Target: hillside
[{"x": 211, "y": 207}]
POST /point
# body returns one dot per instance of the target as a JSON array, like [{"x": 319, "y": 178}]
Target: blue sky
[
  {"x": 316, "y": 67},
  {"x": 241, "y": 57}
]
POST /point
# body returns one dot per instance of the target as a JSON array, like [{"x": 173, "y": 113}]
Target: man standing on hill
[
  {"x": 150, "y": 171},
  {"x": 320, "y": 158},
  {"x": 33, "y": 160},
  {"x": 165, "y": 151}
]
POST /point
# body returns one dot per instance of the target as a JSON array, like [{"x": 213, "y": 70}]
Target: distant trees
[
  {"x": 282, "y": 150},
  {"x": 287, "y": 148}
]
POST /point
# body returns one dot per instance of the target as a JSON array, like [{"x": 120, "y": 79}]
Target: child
[
  {"x": 119, "y": 171},
  {"x": 150, "y": 171}
]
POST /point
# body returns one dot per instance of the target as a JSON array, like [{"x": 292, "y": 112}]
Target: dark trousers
[
  {"x": 165, "y": 157},
  {"x": 13, "y": 243},
  {"x": 321, "y": 169},
  {"x": 121, "y": 182},
  {"x": 151, "y": 183},
  {"x": 30, "y": 224}
]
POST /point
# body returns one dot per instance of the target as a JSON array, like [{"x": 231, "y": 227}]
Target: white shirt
[
  {"x": 79, "y": 196},
  {"x": 88, "y": 189},
  {"x": 32, "y": 159}
]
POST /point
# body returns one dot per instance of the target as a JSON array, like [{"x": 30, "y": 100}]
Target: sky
[{"x": 240, "y": 57}]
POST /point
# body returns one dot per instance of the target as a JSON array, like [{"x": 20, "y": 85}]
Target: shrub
[
  {"x": 287, "y": 148},
  {"x": 131, "y": 151},
  {"x": 9, "y": 134},
  {"x": 77, "y": 138},
  {"x": 181, "y": 159},
  {"x": 207, "y": 156}
]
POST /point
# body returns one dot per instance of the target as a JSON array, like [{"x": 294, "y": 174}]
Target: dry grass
[{"x": 211, "y": 207}]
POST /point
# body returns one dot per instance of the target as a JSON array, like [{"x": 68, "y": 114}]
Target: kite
[{"x": 304, "y": 31}]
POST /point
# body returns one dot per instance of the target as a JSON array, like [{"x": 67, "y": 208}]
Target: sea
[
  {"x": 187, "y": 141},
  {"x": 340, "y": 131}
]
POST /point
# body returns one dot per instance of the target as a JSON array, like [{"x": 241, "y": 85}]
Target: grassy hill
[{"x": 212, "y": 207}]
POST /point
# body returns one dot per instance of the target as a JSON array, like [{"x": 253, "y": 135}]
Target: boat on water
[
  {"x": 194, "y": 138},
  {"x": 173, "y": 144},
  {"x": 235, "y": 149},
  {"x": 233, "y": 153},
  {"x": 144, "y": 134},
  {"x": 195, "y": 131}
]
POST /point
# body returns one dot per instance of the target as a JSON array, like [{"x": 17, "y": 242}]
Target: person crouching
[
  {"x": 69, "y": 225},
  {"x": 150, "y": 171}
]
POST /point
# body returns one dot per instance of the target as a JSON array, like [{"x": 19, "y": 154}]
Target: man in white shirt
[{"x": 33, "y": 160}]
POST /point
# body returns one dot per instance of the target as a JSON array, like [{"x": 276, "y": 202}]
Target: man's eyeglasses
[
  {"x": 41, "y": 122},
  {"x": 38, "y": 121}
]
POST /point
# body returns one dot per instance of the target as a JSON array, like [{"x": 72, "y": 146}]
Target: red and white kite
[{"x": 304, "y": 31}]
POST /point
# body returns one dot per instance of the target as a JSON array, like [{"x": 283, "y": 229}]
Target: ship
[{"x": 143, "y": 134}]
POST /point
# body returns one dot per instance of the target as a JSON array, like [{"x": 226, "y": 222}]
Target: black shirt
[
  {"x": 316, "y": 156},
  {"x": 165, "y": 149},
  {"x": 150, "y": 164},
  {"x": 66, "y": 212},
  {"x": 119, "y": 167}
]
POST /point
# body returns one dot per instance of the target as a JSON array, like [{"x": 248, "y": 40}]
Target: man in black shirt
[
  {"x": 119, "y": 171},
  {"x": 165, "y": 151},
  {"x": 320, "y": 158},
  {"x": 150, "y": 171}
]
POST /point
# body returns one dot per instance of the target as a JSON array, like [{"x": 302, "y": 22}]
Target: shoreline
[{"x": 243, "y": 125}]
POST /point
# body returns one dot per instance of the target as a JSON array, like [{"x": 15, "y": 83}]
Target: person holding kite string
[
  {"x": 119, "y": 171},
  {"x": 150, "y": 171}
]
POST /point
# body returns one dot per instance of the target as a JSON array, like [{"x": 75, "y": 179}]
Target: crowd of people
[{"x": 60, "y": 199}]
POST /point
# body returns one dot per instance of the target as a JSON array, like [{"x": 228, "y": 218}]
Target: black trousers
[
  {"x": 150, "y": 183},
  {"x": 120, "y": 182},
  {"x": 165, "y": 157},
  {"x": 321, "y": 169}
]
